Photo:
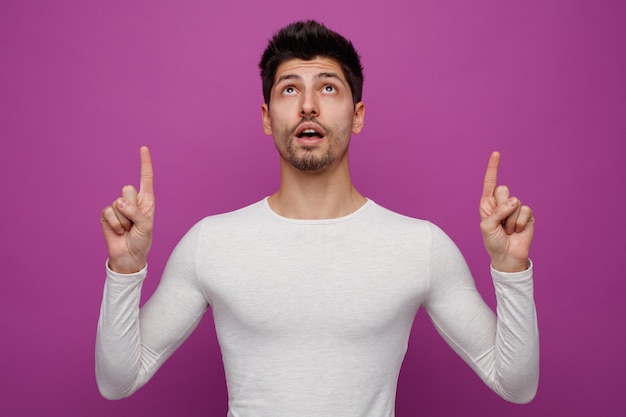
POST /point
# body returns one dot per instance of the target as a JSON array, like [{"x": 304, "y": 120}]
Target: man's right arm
[
  {"x": 127, "y": 228},
  {"x": 132, "y": 343}
]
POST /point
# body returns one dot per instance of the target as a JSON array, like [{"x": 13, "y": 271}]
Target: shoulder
[
  {"x": 228, "y": 223},
  {"x": 393, "y": 219},
  {"x": 410, "y": 227},
  {"x": 250, "y": 213}
]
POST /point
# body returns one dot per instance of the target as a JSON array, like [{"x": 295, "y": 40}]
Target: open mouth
[{"x": 310, "y": 131}]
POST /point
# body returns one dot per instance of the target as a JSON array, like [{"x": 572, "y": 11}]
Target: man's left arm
[
  {"x": 507, "y": 227},
  {"x": 502, "y": 348}
]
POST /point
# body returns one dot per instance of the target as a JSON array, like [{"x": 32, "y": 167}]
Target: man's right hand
[{"x": 127, "y": 223}]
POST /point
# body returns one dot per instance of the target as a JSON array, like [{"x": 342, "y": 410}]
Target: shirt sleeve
[
  {"x": 502, "y": 348},
  {"x": 133, "y": 342}
]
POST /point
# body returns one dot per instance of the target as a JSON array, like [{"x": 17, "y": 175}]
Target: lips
[{"x": 310, "y": 131}]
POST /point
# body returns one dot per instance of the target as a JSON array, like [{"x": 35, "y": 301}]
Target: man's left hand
[{"x": 507, "y": 225}]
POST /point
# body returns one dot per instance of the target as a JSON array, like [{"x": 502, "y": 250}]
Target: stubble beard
[{"x": 307, "y": 158}]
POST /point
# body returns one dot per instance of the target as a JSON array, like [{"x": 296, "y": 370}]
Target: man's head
[{"x": 307, "y": 40}]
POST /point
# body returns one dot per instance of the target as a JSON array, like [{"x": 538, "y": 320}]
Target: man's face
[{"x": 311, "y": 114}]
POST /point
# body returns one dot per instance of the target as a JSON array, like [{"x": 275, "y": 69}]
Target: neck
[{"x": 316, "y": 195}]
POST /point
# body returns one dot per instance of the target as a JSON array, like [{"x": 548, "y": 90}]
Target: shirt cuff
[
  {"x": 139, "y": 274},
  {"x": 513, "y": 275}
]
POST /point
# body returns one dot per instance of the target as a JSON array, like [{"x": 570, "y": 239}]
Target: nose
[{"x": 309, "y": 105}]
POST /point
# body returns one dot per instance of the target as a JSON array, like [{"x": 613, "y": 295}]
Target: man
[{"x": 315, "y": 288}]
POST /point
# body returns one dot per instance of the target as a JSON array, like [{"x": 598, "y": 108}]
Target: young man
[{"x": 314, "y": 289}]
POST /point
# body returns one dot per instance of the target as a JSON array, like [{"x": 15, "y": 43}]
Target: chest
[{"x": 333, "y": 284}]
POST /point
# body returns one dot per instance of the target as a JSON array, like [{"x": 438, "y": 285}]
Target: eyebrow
[{"x": 317, "y": 76}]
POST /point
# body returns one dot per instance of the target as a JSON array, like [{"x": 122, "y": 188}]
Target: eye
[
  {"x": 329, "y": 89},
  {"x": 290, "y": 90}
]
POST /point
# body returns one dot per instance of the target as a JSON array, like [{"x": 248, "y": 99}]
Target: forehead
[{"x": 310, "y": 68}]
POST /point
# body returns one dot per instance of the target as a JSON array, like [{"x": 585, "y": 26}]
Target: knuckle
[{"x": 485, "y": 225}]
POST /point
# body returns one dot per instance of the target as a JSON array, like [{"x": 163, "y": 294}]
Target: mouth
[{"x": 310, "y": 131}]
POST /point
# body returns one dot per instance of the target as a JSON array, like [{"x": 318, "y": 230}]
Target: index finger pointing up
[
  {"x": 146, "y": 184},
  {"x": 491, "y": 175}
]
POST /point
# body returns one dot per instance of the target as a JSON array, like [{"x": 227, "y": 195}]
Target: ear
[
  {"x": 357, "y": 119},
  {"x": 265, "y": 114}
]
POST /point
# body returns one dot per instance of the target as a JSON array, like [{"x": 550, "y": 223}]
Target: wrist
[
  {"x": 126, "y": 267},
  {"x": 511, "y": 265}
]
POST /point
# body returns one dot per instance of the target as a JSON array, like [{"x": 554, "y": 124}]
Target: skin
[
  {"x": 507, "y": 226},
  {"x": 305, "y": 91},
  {"x": 315, "y": 175},
  {"x": 128, "y": 222}
]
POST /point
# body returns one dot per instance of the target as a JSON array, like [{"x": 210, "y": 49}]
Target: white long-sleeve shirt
[{"x": 313, "y": 316}]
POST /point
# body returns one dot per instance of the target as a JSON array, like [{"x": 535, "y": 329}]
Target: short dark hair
[{"x": 307, "y": 40}]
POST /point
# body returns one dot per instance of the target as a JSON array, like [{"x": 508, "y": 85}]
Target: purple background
[{"x": 84, "y": 84}]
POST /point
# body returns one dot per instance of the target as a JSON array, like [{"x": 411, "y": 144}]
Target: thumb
[
  {"x": 500, "y": 214},
  {"x": 130, "y": 210}
]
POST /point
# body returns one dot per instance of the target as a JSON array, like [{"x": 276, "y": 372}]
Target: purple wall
[{"x": 84, "y": 84}]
